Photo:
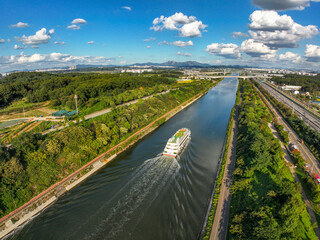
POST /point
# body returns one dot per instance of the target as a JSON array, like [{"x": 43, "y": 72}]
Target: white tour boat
[{"x": 177, "y": 142}]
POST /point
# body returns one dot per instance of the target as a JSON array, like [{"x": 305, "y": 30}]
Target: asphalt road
[{"x": 304, "y": 114}]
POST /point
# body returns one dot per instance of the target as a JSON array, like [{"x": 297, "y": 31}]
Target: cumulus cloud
[
  {"x": 149, "y": 39},
  {"x": 257, "y": 49},
  {"x": 148, "y": 47},
  {"x": 182, "y": 43},
  {"x": 19, "y": 25},
  {"x": 91, "y": 42},
  {"x": 229, "y": 50},
  {"x": 239, "y": 35},
  {"x": 187, "y": 26},
  {"x": 127, "y": 8},
  {"x": 291, "y": 57},
  {"x": 17, "y": 47},
  {"x": 73, "y": 27},
  {"x": 78, "y": 21},
  {"x": 278, "y": 31},
  {"x": 75, "y": 24},
  {"x": 179, "y": 43},
  {"x": 59, "y": 43},
  {"x": 2, "y": 41},
  {"x": 41, "y": 37},
  {"x": 282, "y": 4},
  {"x": 270, "y": 21},
  {"x": 184, "y": 54},
  {"x": 312, "y": 53}
]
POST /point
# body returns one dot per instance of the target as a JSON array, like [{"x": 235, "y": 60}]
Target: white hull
[{"x": 177, "y": 143}]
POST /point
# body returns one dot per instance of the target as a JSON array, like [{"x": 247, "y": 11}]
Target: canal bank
[
  {"x": 21, "y": 215},
  {"x": 140, "y": 195}
]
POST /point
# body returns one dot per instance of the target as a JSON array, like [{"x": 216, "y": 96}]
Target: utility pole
[{"x": 76, "y": 100}]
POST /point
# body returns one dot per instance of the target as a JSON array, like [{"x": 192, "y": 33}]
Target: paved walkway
[{"x": 221, "y": 218}]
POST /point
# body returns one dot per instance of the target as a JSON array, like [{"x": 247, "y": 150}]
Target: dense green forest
[
  {"x": 61, "y": 88},
  {"x": 310, "y": 136},
  {"x": 266, "y": 202},
  {"x": 34, "y": 162},
  {"x": 308, "y": 83}
]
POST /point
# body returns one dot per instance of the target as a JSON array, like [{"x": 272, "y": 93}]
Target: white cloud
[
  {"x": 282, "y": 4},
  {"x": 192, "y": 29},
  {"x": 19, "y": 25},
  {"x": 291, "y": 57},
  {"x": 148, "y": 47},
  {"x": 36, "y": 60},
  {"x": 51, "y": 31},
  {"x": 41, "y": 37},
  {"x": 229, "y": 50},
  {"x": 270, "y": 21},
  {"x": 17, "y": 47},
  {"x": 239, "y": 35},
  {"x": 187, "y": 26},
  {"x": 127, "y": 8},
  {"x": 163, "y": 43},
  {"x": 312, "y": 53},
  {"x": 149, "y": 39},
  {"x": 91, "y": 42},
  {"x": 59, "y": 43},
  {"x": 257, "y": 49},
  {"x": 2, "y": 41},
  {"x": 123, "y": 62},
  {"x": 78, "y": 21},
  {"x": 278, "y": 31},
  {"x": 179, "y": 43},
  {"x": 73, "y": 27},
  {"x": 35, "y": 46},
  {"x": 184, "y": 54},
  {"x": 182, "y": 43}
]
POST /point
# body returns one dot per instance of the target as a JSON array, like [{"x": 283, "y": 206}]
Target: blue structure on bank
[{"x": 61, "y": 113}]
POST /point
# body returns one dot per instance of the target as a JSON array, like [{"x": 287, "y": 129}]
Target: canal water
[{"x": 142, "y": 195}]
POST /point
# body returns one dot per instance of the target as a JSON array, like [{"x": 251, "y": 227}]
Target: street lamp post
[{"x": 76, "y": 100}]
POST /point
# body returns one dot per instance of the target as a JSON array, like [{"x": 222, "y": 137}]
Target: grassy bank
[{"x": 266, "y": 202}]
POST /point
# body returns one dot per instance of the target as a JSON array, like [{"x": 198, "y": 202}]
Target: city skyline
[{"x": 256, "y": 33}]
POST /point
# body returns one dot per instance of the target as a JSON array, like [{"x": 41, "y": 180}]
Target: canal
[{"x": 142, "y": 195}]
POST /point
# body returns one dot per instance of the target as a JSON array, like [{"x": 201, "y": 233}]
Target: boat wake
[{"x": 128, "y": 206}]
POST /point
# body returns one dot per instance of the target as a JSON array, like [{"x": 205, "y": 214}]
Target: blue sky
[{"x": 285, "y": 34}]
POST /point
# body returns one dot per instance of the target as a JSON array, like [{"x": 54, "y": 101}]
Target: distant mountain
[
  {"x": 81, "y": 66},
  {"x": 174, "y": 64}
]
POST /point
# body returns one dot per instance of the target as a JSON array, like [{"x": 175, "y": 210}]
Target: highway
[
  {"x": 310, "y": 119},
  {"x": 313, "y": 163}
]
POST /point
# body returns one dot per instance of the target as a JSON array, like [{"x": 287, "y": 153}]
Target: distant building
[
  {"x": 137, "y": 70},
  {"x": 291, "y": 88}
]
